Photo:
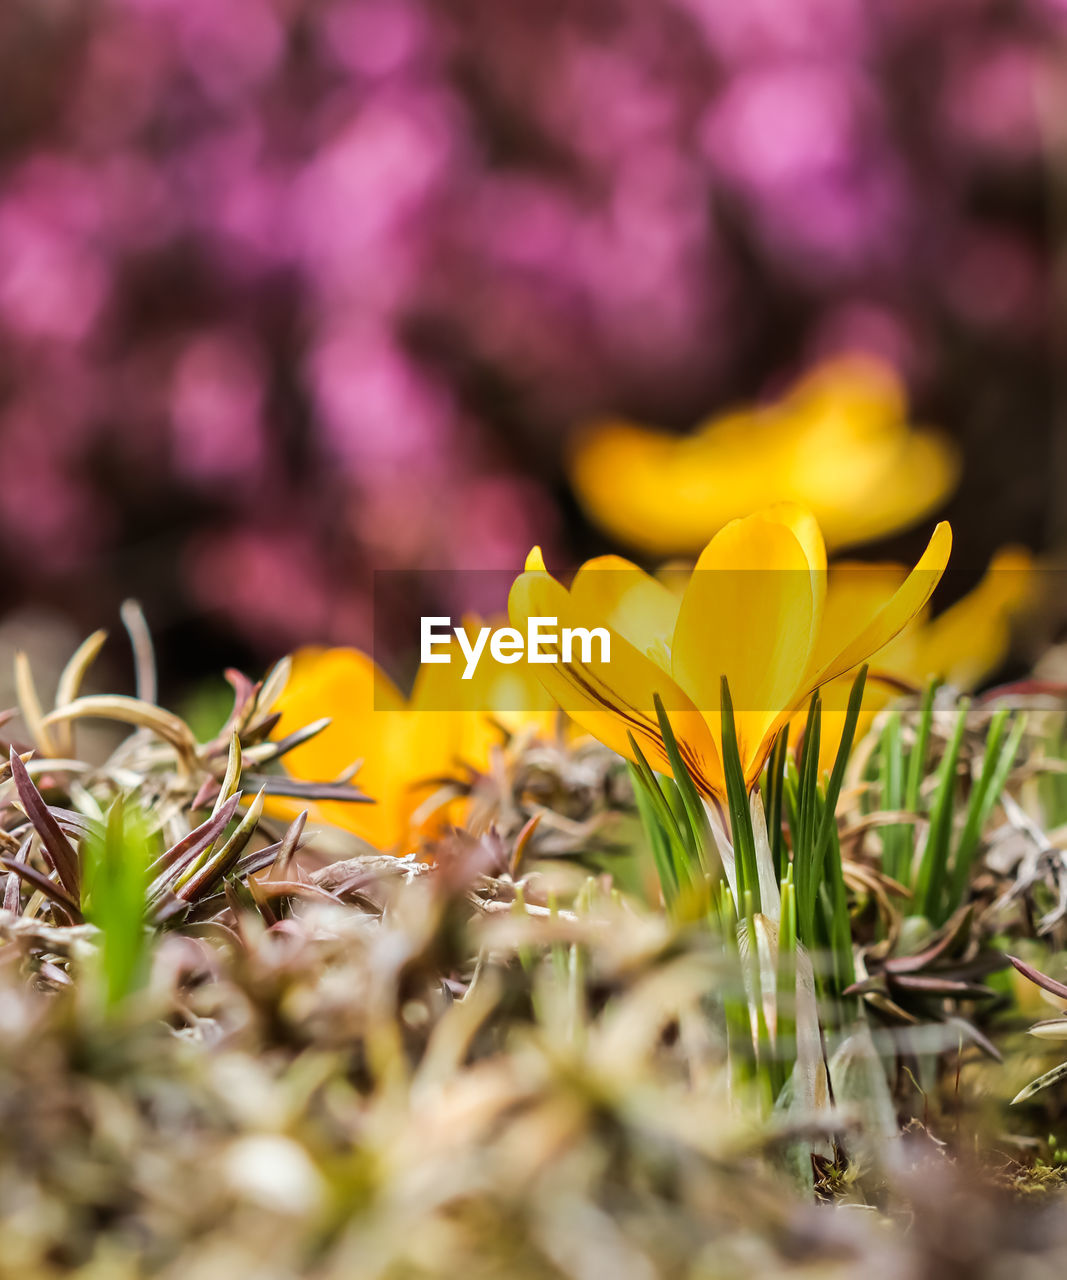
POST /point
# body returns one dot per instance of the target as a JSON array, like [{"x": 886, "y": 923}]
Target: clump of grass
[
  {"x": 72, "y": 846},
  {"x": 774, "y": 896},
  {"x": 912, "y": 980},
  {"x": 501, "y": 1055},
  {"x": 948, "y": 802}
]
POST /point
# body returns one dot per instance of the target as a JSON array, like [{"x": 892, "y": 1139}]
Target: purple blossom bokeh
[{"x": 295, "y": 289}]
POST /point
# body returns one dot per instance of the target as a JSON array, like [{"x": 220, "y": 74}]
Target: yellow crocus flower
[
  {"x": 838, "y": 443},
  {"x": 406, "y": 745},
  {"x": 963, "y": 645},
  {"x": 752, "y": 610}
]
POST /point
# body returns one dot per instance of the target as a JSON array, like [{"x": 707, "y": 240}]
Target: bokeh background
[{"x": 295, "y": 289}]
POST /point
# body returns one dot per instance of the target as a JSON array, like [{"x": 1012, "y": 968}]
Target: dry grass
[{"x": 488, "y": 1061}]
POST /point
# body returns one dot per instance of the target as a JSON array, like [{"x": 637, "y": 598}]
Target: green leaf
[
  {"x": 822, "y": 900},
  {"x": 774, "y": 787},
  {"x": 785, "y": 1039},
  {"x": 803, "y": 819},
  {"x": 657, "y": 842},
  {"x": 996, "y": 765},
  {"x": 917, "y": 758},
  {"x": 674, "y": 863},
  {"x": 208, "y": 871},
  {"x": 839, "y": 926},
  {"x": 807, "y": 793},
  {"x": 896, "y": 837},
  {"x": 117, "y": 857},
  {"x": 844, "y": 750},
  {"x": 699, "y": 827},
  {"x": 737, "y": 803},
  {"x": 930, "y": 882}
]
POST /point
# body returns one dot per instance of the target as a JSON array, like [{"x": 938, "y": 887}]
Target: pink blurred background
[{"x": 294, "y": 289}]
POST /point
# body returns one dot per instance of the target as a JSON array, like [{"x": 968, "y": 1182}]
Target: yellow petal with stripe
[
  {"x": 972, "y": 638},
  {"x": 631, "y": 602},
  {"x": 613, "y": 698},
  {"x": 833, "y": 658},
  {"x": 751, "y": 612}
]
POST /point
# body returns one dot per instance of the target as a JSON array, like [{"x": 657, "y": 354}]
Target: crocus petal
[
  {"x": 318, "y": 671},
  {"x": 856, "y": 592},
  {"x": 875, "y": 628},
  {"x": 751, "y": 612},
  {"x": 642, "y": 610},
  {"x": 860, "y": 465},
  {"x": 369, "y": 722},
  {"x": 470, "y": 715},
  {"x": 905, "y": 603},
  {"x": 660, "y": 493},
  {"x": 964, "y": 645},
  {"x": 611, "y": 699},
  {"x": 911, "y": 474},
  {"x": 972, "y": 638},
  {"x": 839, "y": 443}
]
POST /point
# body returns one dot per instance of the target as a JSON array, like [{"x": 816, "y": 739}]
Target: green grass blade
[
  {"x": 685, "y": 868},
  {"x": 844, "y": 750},
  {"x": 737, "y": 802},
  {"x": 774, "y": 787},
  {"x": 699, "y": 826},
  {"x": 655, "y": 794},
  {"x": 117, "y": 857},
  {"x": 996, "y": 765},
  {"x": 839, "y": 930},
  {"x": 895, "y": 841},
  {"x": 917, "y": 758},
  {"x": 768, "y": 1077},
  {"x": 673, "y": 796},
  {"x": 787, "y": 972},
  {"x": 930, "y": 882},
  {"x": 807, "y": 798},
  {"x": 827, "y": 824},
  {"x": 661, "y": 855}
]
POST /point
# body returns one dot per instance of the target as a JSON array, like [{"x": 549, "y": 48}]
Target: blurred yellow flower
[
  {"x": 753, "y": 609},
  {"x": 838, "y": 443},
  {"x": 406, "y": 745},
  {"x": 963, "y": 645}
]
